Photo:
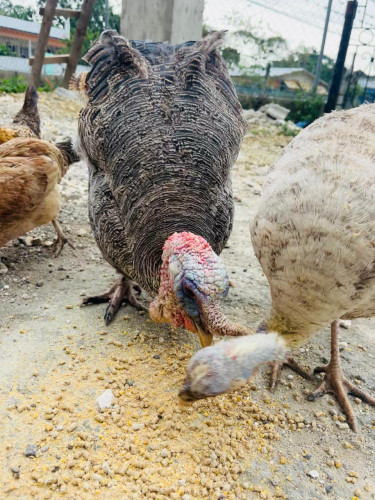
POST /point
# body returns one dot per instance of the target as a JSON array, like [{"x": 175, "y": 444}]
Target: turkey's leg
[
  {"x": 291, "y": 363},
  {"x": 61, "y": 238},
  {"x": 123, "y": 289},
  {"x": 335, "y": 383}
]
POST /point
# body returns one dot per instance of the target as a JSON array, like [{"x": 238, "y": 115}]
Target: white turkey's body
[{"x": 314, "y": 232}]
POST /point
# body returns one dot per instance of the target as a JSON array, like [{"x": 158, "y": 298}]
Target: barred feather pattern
[
  {"x": 314, "y": 231},
  {"x": 160, "y": 132}
]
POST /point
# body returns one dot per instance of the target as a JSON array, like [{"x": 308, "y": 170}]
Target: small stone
[
  {"x": 164, "y": 453},
  {"x": 342, "y": 426},
  {"x": 358, "y": 493},
  {"x": 15, "y": 472},
  {"x": 137, "y": 427},
  {"x": 347, "y": 445},
  {"x": 81, "y": 232},
  {"x": 345, "y": 323},
  {"x": 3, "y": 268},
  {"x": 313, "y": 473},
  {"x": 105, "y": 400},
  {"x": 290, "y": 377},
  {"x": 328, "y": 488},
  {"x": 156, "y": 356},
  {"x": 72, "y": 427},
  {"x": 31, "y": 450},
  {"x": 47, "y": 243}
]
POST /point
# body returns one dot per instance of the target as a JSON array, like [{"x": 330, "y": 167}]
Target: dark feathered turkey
[{"x": 160, "y": 132}]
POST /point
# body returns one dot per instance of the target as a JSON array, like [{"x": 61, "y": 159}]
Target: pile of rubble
[{"x": 271, "y": 114}]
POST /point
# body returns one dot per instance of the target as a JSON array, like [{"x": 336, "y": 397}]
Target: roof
[
  {"x": 275, "y": 72},
  {"x": 33, "y": 27},
  {"x": 21, "y": 35}
]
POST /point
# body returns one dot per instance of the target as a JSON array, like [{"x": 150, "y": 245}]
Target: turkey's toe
[
  {"x": 335, "y": 383},
  {"x": 292, "y": 364},
  {"x": 124, "y": 290}
]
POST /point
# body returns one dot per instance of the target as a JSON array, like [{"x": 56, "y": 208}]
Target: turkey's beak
[
  {"x": 205, "y": 337},
  {"x": 186, "y": 398}
]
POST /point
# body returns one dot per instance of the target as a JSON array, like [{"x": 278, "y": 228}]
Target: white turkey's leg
[{"x": 334, "y": 381}]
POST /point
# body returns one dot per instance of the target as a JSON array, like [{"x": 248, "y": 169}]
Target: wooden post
[
  {"x": 351, "y": 9},
  {"x": 41, "y": 46},
  {"x": 79, "y": 37}
]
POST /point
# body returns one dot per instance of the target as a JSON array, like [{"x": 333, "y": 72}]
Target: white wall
[{"x": 175, "y": 21}]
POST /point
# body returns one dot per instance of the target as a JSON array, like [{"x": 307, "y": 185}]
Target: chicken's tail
[
  {"x": 78, "y": 82},
  {"x": 66, "y": 148}
]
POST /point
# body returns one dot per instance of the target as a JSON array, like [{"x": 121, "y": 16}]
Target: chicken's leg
[
  {"x": 61, "y": 238},
  {"x": 123, "y": 289},
  {"x": 334, "y": 381}
]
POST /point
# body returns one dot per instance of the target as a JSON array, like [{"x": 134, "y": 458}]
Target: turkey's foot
[
  {"x": 123, "y": 290},
  {"x": 61, "y": 238},
  {"x": 335, "y": 383},
  {"x": 291, "y": 363}
]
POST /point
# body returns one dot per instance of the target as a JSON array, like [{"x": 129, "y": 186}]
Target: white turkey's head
[
  {"x": 193, "y": 281},
  {"x": 227, "y": 365}
]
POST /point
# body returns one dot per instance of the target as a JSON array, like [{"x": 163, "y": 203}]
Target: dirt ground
[{"x": 57, "y": 358}]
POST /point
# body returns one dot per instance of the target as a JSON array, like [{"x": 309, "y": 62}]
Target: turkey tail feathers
[
  {"x": 210, "y": 42},
  {"x": 113, "y": 50}
]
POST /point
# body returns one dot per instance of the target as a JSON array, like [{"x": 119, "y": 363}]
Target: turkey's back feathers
[{"x": 166, "y": 139}]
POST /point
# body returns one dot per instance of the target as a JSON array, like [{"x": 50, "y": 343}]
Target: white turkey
[{"x": 314, "y": 236}]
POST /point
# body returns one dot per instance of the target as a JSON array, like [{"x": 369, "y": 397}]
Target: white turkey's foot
[
  {"x": 335, "y": 383},
  {"x": 290, "y": 363},
  {"x": 61, "y": 238},
  {"x": 124, "y": 290}
]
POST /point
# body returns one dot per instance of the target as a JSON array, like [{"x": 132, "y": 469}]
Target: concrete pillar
[{"x": 175, "y": 21}]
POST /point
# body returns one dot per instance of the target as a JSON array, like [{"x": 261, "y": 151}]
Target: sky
[{"x": 299, "y": 22}]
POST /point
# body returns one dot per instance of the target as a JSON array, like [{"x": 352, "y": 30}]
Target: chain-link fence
[{"x": 272, "y": 49}]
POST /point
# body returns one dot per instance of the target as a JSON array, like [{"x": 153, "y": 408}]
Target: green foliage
[
  {"x": 306, "y": 108},
  {"x": 7, "y": 8},
  {"x": 231, "y": 56},
  {"x": 96, "y": 25},
  {"x": 13, "y": 84},
  {"x": 288, "y": 131},
  {"x": 4, "y": 51}
]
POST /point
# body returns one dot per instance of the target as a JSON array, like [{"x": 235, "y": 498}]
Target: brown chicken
[
  {"x": 30, "y": 171},
  {"x": 29, "y": 176}
]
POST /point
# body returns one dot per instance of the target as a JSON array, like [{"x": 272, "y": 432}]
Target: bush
[
  {"x": 17, "y": 84},
  {"x": 307, "y": 108},
  {"x": 13, "y": 84},
  {"x": 253, "y": 102}
]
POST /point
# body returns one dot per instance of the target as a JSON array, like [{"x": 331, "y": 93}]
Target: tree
[
  {"x": 15, "y": 10},
  {"x": 97, "y": 21},
  {"x": 231, "y": 56},
  {"x": 254, "y": 43}
]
